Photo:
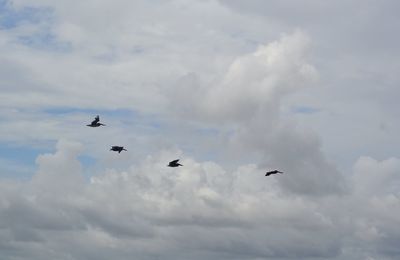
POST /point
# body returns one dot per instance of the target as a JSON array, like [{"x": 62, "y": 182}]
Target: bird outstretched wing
[{"x": 272, "y": 172}]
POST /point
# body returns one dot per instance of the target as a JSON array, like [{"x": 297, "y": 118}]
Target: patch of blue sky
[
  {"x": 20, "y": 154},
  {"x": 91, "y": 166},
  {"x": 18, "y": 162},
  {"x": 13, "y": 170},
  {"x": 90, "y": 111},
  {"x": 43, "y": 38},
  {"x": 11, "y": 17},
  {"x": 124, "y": 116},
  {"x": 44, "y": 41}
]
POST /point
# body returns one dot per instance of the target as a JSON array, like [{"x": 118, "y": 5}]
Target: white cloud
[
  {"x": 371, "y": 175},
  {"x": 60, "y": 171},
  {"x": 177, "y": 208},
  {"x": 212, "y": 83},
  {"x": 248, "y": 100},
  {"x": 199, "y": 210}
]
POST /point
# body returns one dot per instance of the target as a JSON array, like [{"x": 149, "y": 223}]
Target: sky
[{"x": 231, "y": 88}]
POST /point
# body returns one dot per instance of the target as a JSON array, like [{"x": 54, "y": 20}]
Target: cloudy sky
[{"x": 232, "y": 88}]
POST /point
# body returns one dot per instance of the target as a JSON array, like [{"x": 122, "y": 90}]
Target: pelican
[
  {"x": 95, "y": 122},
  {"x": 174, "y": 163},
  {"x": 118, "y": 149}
]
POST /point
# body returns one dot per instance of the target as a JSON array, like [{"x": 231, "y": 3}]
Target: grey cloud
[
  {"x": 248, "y": 100},
  {"x": 200, "y": 211},
  {"x": 306, "y": 169},
  {"x": 371, "y": 175},
  {"x": 241, "y": 81},
  {"x": 199, "y": 204},
  {"x": 117, "y": 225}
]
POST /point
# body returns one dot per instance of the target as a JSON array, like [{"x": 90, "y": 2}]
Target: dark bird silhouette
[
  {"x": 174, "y": 163},
  {"x": 272, "y": 172},
  {"x": 118, "y": 149},
  {"x": 95, "y": 122}
]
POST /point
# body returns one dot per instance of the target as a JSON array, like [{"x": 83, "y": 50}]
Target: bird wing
[
  {"x": 272, "y": 172},
  {"x": 175, "y": 161}
]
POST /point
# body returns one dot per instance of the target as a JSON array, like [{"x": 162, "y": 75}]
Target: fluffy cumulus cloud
[
  {"x": 248, "y": 99},
  {"x": 198, "y": 211},
  {"x": 230, "y": 88}
]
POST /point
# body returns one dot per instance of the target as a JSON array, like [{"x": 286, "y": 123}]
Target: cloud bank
[
  {"x": 217, "y": 84},
  {"x": 195, "y": 212}
]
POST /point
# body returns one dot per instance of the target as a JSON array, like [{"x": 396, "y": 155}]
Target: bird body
[
  {"x": 95, "y": 122},
  {"x": 272, "y": 172},
  {"x": 118, "y": 149},
  {"x": 174, "y": 163}
]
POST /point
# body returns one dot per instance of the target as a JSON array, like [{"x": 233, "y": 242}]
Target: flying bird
[
  {"x": 95, "y": 122},
  {"x": 174, "y": 163},
  {"x": 118, "y": 149},
  {"x": 273, "y": 172}
]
